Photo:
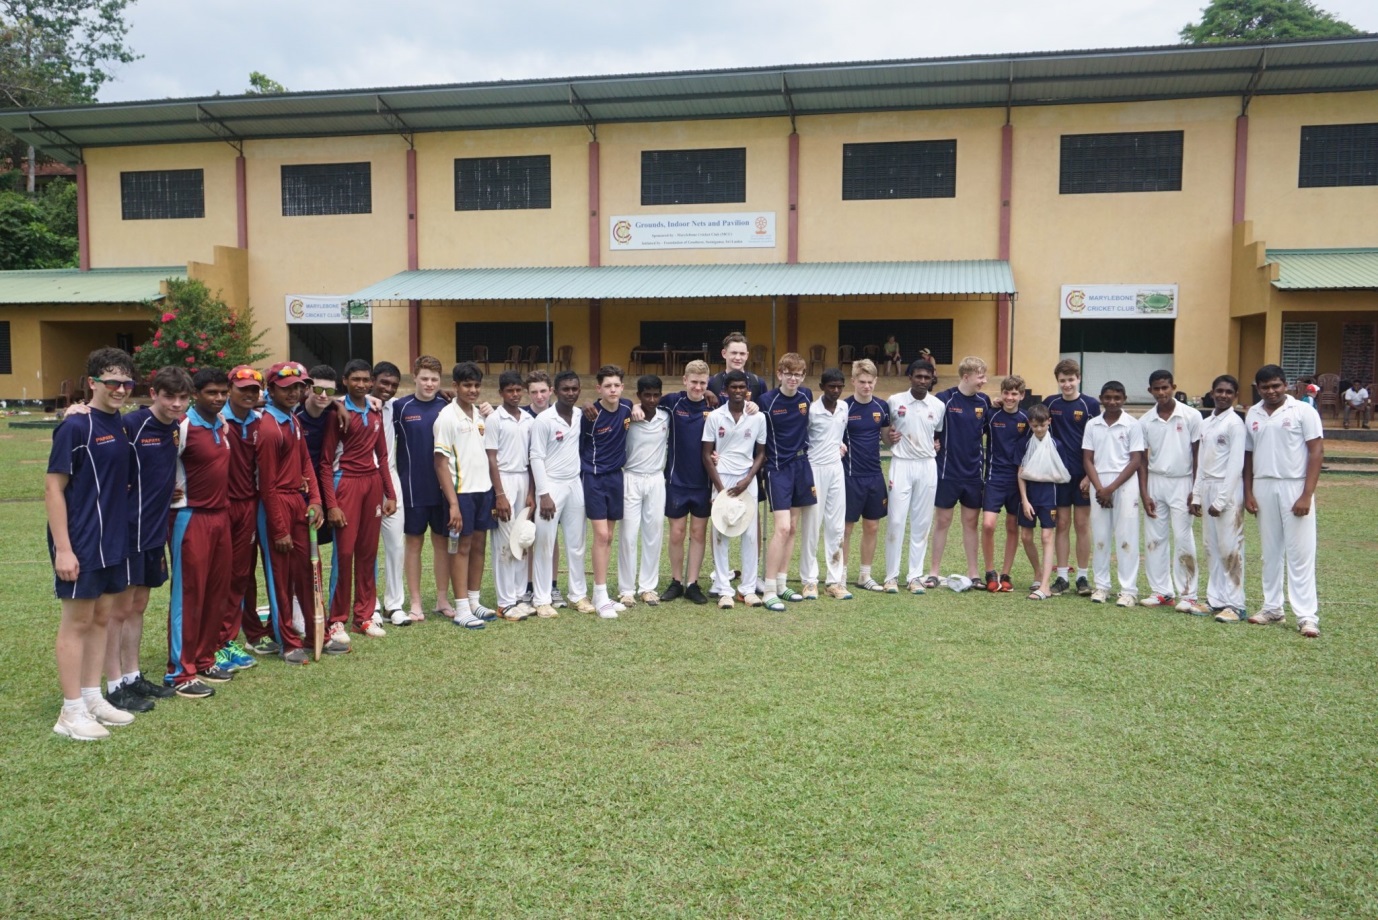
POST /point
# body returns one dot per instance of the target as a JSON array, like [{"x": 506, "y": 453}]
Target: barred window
[
  {"x": 6, "y": 358},
  {"x": 712, "y": 176},
  {"x": 1336, "y": 155},
  {"x": 162, "y": 194},
  {"x": 502, "y": 183},
  {"x": 1142, "y": 161},
  {"x": 327, "y": 188},
  {"x": 902, "y": 169}
]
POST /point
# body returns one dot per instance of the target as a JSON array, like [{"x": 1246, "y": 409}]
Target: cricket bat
[{"x": 316, "y": 588}]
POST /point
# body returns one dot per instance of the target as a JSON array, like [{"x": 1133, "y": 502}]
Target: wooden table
[{"x": 660, "y": 356}]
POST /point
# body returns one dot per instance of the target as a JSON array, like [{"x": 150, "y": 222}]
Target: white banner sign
[
  {"x": 310, "y": 308},
  {"x": 1119, "y": 301},
  {"x": 748, "y": 230}
]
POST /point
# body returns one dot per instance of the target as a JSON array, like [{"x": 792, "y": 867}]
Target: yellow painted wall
[
  {"x": 119, "y": 243},
  {"x": 1179, "y": 237},
  {"x": 964, "y": 227},
  {"x": 767, "y": 182},
  {"x": 328, "y": 254},
  {"x": 226, "y": 277},
  {"x": 493, "y": 239},
  {"x": 50, "y": 343},
  {"x": 1289, "y": 217},
  {"x": 1252, "y": 351}
]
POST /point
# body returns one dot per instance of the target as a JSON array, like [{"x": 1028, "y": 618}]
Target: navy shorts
[
  {"x": 680, "y": 501},
  {"x": 416, "y": 520},
  {"x": 91, "y": 583},
  {"x": 791, "y": 486},
  {"x": 477, "y": 510},
  {"x": 1069, "y": 493},
  {"x": 867, "y": 497},
  {"x": 603, "y": 496},
  {"x": 1001, "y": 493},
  {"x": 147, "y": 569},
  {"x": 952, "y": 491},
  {"x": 1041, "y": 496}
]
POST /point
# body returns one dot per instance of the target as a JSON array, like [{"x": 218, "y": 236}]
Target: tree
[
  {"x": 1263, "y": 20},
  {"x": 192, "y": 329},
  {"x": 263, "y": 85},
  {"x": 59, "y": 51},
  {"x": 39, "y": 231}
]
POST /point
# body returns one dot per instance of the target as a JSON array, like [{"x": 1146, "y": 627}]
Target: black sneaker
[
  {"x": 296, "y": 656},
  {"x": 1083, "y": 587},
  {"x": 194, "y": 689},
  {"x": 1058, "y": 586},
  {"x": 149, "y": 690},
  {"x": 674, "y": 592},
  {"x": 125, "y": 698},
  {"x": 265, "y": 646},
  {"x": 335, "y": 647},
  {"x": 695, "y": 593},
  {"x": 217, "y": 675}
]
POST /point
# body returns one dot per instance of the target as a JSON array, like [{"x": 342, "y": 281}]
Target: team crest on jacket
[
  {"x": 803, "y": 408},
  {"x": 875, "y": 417},
  {"x": 900, "y": 411},
  {"x": 559, "y": 435},
  {"x": 1077, "y": 414},
  {"x": 722, "y": 432},
  {"x": 626, "y": 423},
  {"x": 1020, "y": 426},
  {"x": 980, "y": 411}
]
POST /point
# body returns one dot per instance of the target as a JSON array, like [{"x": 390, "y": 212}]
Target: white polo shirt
[
  {"x": 510, "y": 436},
  {"x": 1113, "y": 444},
  {"x": 554, "y": 449},
  {"x": 734, "y": 440},
  {"x": 460, "y": 439},
  {"x": 1278, "y": 441},
  {"x": 646, "y": 444},
  {"x": 1221, "y": 457},
  {"x": 1169, "y": 440},
  {"x": 825, "y": 432},
  {"x": 918, "y": 421}
]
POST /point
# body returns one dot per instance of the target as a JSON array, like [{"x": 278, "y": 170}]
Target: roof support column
[
  {"x": 595, "y": 334},
  {"x": 83, "y": 224},
  {"x": 241, "y": 203},
  {"x": 792, "y": 324},
  {"x": 1241, "y": 164},
  {"x": 413, "y": 259},
  {"x": 595, "y": 228},
  {"x": 792, "y": 246},
  {"x": 1003, "y": 308}
]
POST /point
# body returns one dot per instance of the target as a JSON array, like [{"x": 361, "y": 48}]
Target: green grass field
[{"x": 963, "y": 755}]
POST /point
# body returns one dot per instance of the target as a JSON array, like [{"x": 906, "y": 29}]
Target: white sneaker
[
  {"x": 1188, "y": 605},
  {"x": 377, "y": 617},
  {"x": 400, "y": 618},
  {"x": 1099, "y": 596},
  {"x": 627, "y": 599},
  {"x": 650, "y": 598},
  {"x": 373, "y": 629},
  {"x": 725, "y": 602},
  {"x": 1127, "y": 600},
  {"x": 338, "y": 633},
  {"x": 557, "y": 600},
  {"x": 79, "y": 726},
  {"x": 607, "y": 611},
  {"x": 101, "y": 710}
]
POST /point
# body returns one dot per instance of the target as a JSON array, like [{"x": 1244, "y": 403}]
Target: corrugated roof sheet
[
  {"x": 1042, "y": 78},
  {"x": 1325, "y": 269},
  {"x": 101, "y": 285},
  {"x": 650, "y": 282}
]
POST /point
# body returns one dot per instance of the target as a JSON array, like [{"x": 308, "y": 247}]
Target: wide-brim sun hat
[
  {"x": 523, "y": 534},
  {"x": 731, "y": 516}
]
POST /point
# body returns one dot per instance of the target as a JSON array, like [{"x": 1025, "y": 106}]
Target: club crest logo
[
  {"x": 559, "y": 436},
  {"x": 626, "y": 424},
  {"x": 980, "y": 411},
  {"x": 875, "y": 417},
  {"x": 722, "y": 432},
  {"x": 1179, "y": 427},
  {"x": 1255, "y": 426},
  {"x": 1221, "y": 440},
  {"x": 1020, "y": 426},
  {"x": 900, "y": 411},
  {"x": 1077, "y": 414},
  {"x": 803, "y": 408}
]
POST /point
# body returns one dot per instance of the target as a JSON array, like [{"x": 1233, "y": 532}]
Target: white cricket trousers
[
  {"x": 1289, "y": 542},
  {"x": 569, "y": 518},
  {"x": 509, "y": 573},
  {"x": 643, "y": 519},
  {"x": 394, "y": 552},
  {"x": 751, "y": 562},
  {"x": 1171, "y": 566},
  {"x": 1116, "y": 528},
  {"x": 913, "y": 484},
  {"x": 1223, "y": 539},
  {"x": 828, "y": 514}
]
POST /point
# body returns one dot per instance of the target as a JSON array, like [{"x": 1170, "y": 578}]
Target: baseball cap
[
  {"x": 246, "y": 376},
  {"x": 287, "y": 373},
  {"x": 1312, "y": 389}
]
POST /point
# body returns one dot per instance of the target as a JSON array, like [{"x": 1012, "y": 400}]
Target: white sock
[
  {"x": 1084, "y": 573},
  {"x": 473, "y": 599},
  {"x": 461, "y": 605},
  {"x": 131, "y": 677},
  {"x": 112, "y": 685},
  {"x": 73, "y": 707},
  {"x": 781, "y": 582},
  {"x": 1062, "y": 572},
  {"x": 90, "y": 695},
  {"x": 864, "y": 573},
  {"x": 600, "y": 595}
]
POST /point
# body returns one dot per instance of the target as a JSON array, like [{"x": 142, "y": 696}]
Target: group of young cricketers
[{"x": 241, "y": 466}]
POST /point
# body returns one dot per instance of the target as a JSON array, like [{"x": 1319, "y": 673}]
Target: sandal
[
  {"x": 1037, "y": 595},
  {"x": 442, "y": 612},
  {"x": 417, "y": 617},
  {"x": 931, "y": 581},
  {"x": 776, "y": 605}
]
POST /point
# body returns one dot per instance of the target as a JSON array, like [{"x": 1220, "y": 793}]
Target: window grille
[
  {"x": 1144, "y": 161},
  {"x": 162, "y": 194},
  {"x": 1298, "y": 350},
  {"x": 900, "y": 169},
  {"x": 713, "y": 176},
  {"x": 327, "y": 188},
  {"x": 502, "y": 183},
  {"x": 1338, "y": 155}
]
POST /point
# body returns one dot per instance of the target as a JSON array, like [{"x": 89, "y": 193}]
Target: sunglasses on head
[
  {"x": 247, "y": 373},
  {"x": 115, "y": 383}
]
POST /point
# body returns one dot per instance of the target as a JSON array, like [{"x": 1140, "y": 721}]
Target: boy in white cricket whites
[
  {"x": 1112, "y": 454},
  {"x": 1172, "y": 433},
  {"x": 1217, "y": 497},
  {"x": 917, "y": 418},
  {"x": 507, "y": 440},
  {"x": 643, "y": 506},
  {"x": 738, "y": 441},
  {"x": 827, "y": 428}
]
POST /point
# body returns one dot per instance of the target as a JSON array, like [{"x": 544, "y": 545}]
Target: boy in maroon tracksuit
[
  {"x": 357, "y": 488},
  {"x": 200, "y": 541},
  {"x": 242, "y": 421},
  {"x": 287, "y": 490}
]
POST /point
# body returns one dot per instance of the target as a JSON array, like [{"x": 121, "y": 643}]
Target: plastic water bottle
[{"x": 453, "y": 546}]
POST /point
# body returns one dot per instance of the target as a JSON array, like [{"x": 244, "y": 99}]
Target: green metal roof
[
  {"x": 1041, "y": 78},
  {"x": 100, "y": 285},
  {"x": 656, "y": 282},
  {"x": 1325, "y": 269}
]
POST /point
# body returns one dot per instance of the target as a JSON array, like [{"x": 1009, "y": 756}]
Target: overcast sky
[{"x": 198, "y": 47}]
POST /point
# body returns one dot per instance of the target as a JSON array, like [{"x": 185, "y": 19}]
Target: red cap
[
  {"x": 246, "y": 376},
  {"x": 1312, "y": 389},
  {"x": 287, "y": 373}
]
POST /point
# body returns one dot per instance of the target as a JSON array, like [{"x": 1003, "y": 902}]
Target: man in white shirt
[
  {"x": 738, "y": 439},
  {"x": 827, "y": 425},
  {"x": 507, "y": 441},
  {"x": 1112, "y": 450},
  {"x": 386, "y": 378},
  {"x": 1171, "y": 433},
  {"x": 555, "y": 469},
  {"x": 916, "y": 418},
  {"x": 1356, "y": 403},
  {"x": 1217, "y": 497},
  {"x": 1283, "y": 449},
  {"x": 643, "y": 501}
]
